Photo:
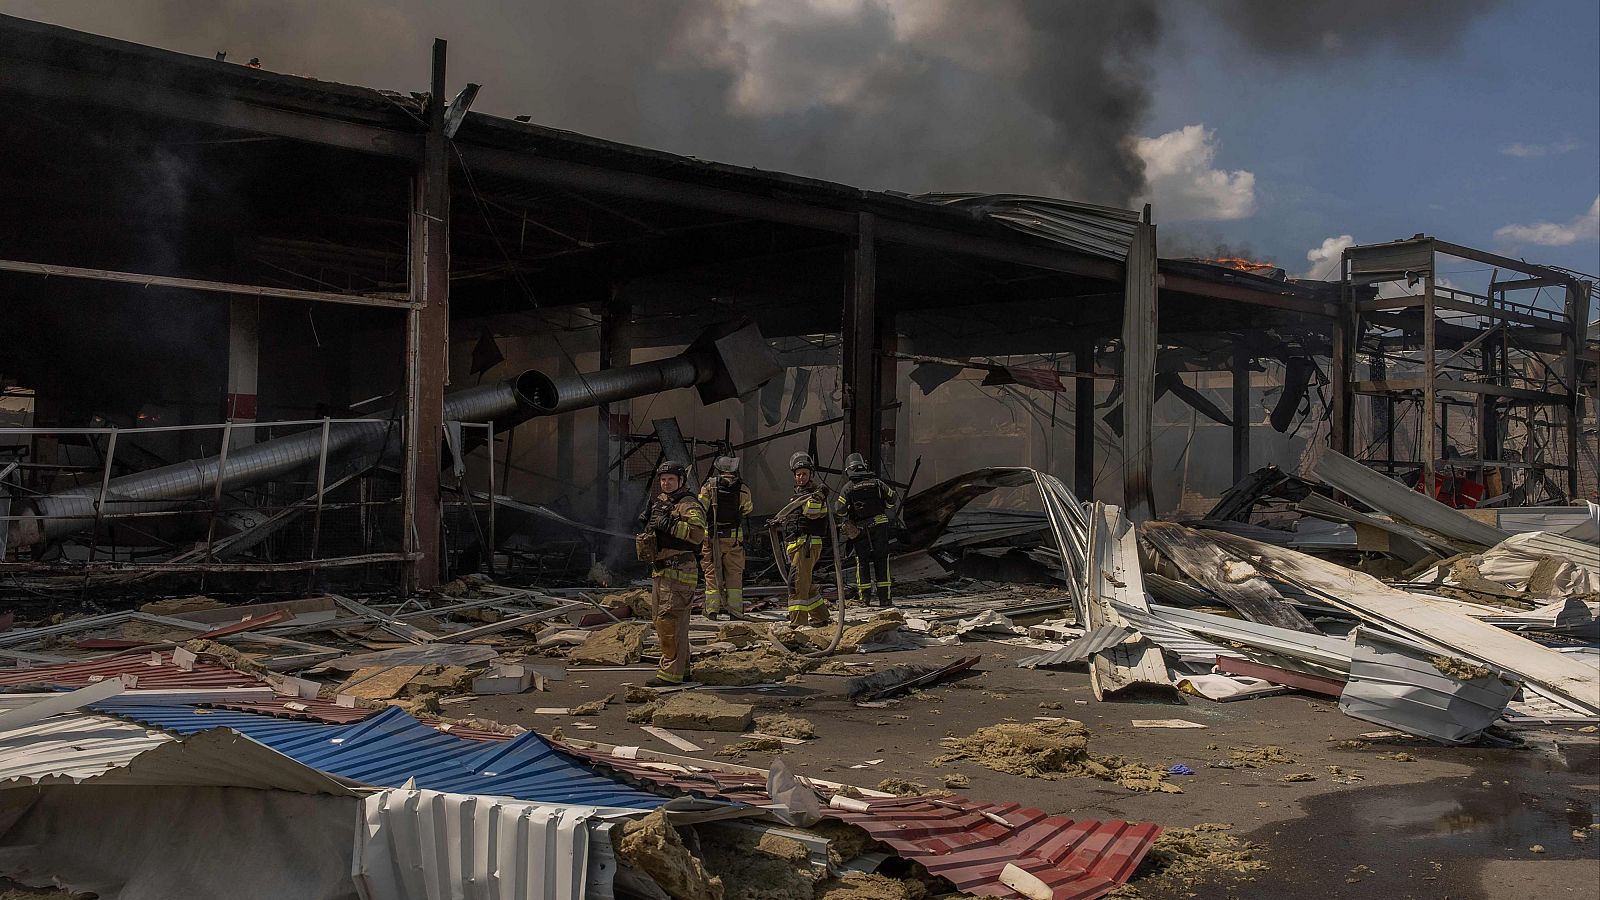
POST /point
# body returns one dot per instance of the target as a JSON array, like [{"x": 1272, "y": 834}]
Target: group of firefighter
[{"x": 683, "y": 534}]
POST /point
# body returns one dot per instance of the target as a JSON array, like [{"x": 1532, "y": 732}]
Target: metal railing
[{"x": 46, "y": 502}]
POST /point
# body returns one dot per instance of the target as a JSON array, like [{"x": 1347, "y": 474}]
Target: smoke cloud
[{"x": 1027, "y": 96}]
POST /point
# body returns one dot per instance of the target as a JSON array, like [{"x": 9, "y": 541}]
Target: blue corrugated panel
[{"x": 392, "y": 746}]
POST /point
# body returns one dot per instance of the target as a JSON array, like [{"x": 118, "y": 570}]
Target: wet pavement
[{"x": 1432, "y": 839}]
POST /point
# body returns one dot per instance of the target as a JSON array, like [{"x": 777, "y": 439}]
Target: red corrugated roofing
[
  {"x": 166, "y": 675},
  {"x": 203, "y": 675},
  {"x": 951, "y": 836}
]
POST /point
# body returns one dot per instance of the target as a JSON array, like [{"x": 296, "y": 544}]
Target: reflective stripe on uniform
[
  {"x": 797, "y": 543},
  {"x": 802, "y": 606},
  {"x": 679, "y": 575},
  {"x": 668, "y": 676}
]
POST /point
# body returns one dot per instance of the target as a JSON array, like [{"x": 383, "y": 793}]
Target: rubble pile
[{"x": 1050, "y": 750}]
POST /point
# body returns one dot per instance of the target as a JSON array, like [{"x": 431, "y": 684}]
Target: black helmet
[
  {"x": 801, "y": 460},
  {"x": 669, "y": 467},
  {"x": 856, "y": 467}
]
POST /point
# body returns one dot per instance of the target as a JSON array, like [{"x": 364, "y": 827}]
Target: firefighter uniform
[
  {"x": 805, "y": 530},
  {"x": 865, "y": 503},
  {"x": 679, "y": 526},
  {"x": 728, "y": 503}
]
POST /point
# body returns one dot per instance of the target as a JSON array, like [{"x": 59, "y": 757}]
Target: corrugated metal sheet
[
  {"x": 1171, "y": 639},
  {"x": 1389, "y": 496},
  {"x": 71, "y": 747},
  {"x": 951, "y": 836},
  {"x": 1102, "y": 230},
  {"x": 1095, "y": 640},
  {"x": 1580, "y": 553},
  {"x": 1395, "y": 686},
  {"x": 1078, "y": 859},
  {"x": 439, "y": 846},
  {"x": 391, "y": 747},
  {"x": 1308, "y": 647},
  {"x": 78, "y": 747},
  {"x": 166, "y": 675}
]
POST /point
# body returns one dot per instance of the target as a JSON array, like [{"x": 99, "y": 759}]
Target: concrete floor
[{"x": 1458, "y": 822}]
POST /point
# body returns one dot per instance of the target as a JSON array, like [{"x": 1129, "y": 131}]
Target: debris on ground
[
  {"x": 1261, "y": 757},
  {"x": 905, "y": 679},
  {"x": 173, "y": 606},
  {"x": 225, "y": 656},
  {"x": 621, "y": 644},
  {"x": 758, "y": 867},
  {"x": 860, "y": 886},
  {"x": 741, "y": 634},
  {"x": 694, "y": 711},
  {"x": 957, "y": 781},
  {"x": 1184, "y": 857},
  {"x": 643, "y": 712},
  {"x": 1051, "y": 750},
  {"x": 653, "y": 846},
  {"x": 753, "y": 745},
  {"x": 868, "y": 632},
  {"x": 593, "y": 707},
  {"x": 1460, "y": 668},
  {"x": 844, "y": 667},
  {"x": 1299, "y": 776},
  {"x": 901, "y": 787},
  {"x": 379, "y": 682},
  {"x": 742, "y": 668},
  {"x": 637, "y": 694},
  {"x": 443, "y": 680},
  {"x": 785, "y": 725}
]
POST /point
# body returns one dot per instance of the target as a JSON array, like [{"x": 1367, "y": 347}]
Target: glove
[{"x": 660, "y": 517}]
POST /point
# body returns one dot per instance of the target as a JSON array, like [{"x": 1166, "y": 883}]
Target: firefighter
[
  {"x": 673, "y": 527},
  {"x": 804, "y": 530},
  {"x": 864, "y": 505},
  {"x": 727, "y": 502}
]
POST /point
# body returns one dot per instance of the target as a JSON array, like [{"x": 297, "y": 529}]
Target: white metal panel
[
  {"x": 430, "y": 845},
  {"x": 71, "y": 747}
]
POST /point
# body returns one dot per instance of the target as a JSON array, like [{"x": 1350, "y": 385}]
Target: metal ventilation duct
[
  {"x": 722, "y": 363},
  {"x": 163, "y": 488}
]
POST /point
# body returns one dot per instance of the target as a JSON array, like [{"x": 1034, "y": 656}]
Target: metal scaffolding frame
[{"x": 1508, "y": 355}]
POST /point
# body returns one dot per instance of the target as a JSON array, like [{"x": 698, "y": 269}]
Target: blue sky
[{"x": 1385, "y": 146}]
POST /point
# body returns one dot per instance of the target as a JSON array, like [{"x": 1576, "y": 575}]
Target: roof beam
[
  {"x": 193, "y": 284},
  {"x": 59, "y": 84},
  {"x": 653, "y": 189}
]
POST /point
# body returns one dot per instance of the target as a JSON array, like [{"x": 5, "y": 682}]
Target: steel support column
[
  {"x": 428, "y": 341},
  {"x": 1430, "y": 373},
  {"x": 1241, "y": 414},
  {"x": 614, "y": 353},
  {"x": 1344, "y": 337},
  {"x": 885, "y": 417},
  {"x": 1578, "y": 313},
  {"x": 1140, "y": 334},
  {"x": 1083, "y": 442},
  {"x": 860, "y": 337}
]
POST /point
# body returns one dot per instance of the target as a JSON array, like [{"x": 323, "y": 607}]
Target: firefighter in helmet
[
  {"x": 804, "y": 530},
  {"x": 674, "y": 527},
  {"x": 864, "y": 505},
  {"x": 728, "y": 503}
]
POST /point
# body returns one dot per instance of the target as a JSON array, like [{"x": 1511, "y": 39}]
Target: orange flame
[{"x": 1243, "y": 265}]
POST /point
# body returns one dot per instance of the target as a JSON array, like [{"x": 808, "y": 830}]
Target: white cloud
[
  {"x": 1324, "y": 259},
  {"x": 1583, "y": 227},
  {"x": 1531, "y": 151},
  {"x": 1184, "y": 185}
]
